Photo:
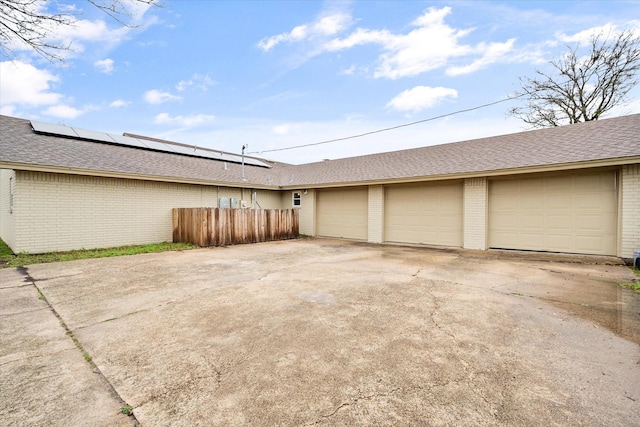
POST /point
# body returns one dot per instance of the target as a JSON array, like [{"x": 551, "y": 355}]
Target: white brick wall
[
  {"x": 7, "y": 218},
  {"x": 376, "y": 214},
  {"x": 630, "y": 207},
  {"x": 62, "y": 212},
  {"x": 475, "y": 213}
]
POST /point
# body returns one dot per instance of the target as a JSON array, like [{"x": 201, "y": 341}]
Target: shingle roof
[
  {"x": 19, "y": 144},
  {"x": 616, "y": 139}
]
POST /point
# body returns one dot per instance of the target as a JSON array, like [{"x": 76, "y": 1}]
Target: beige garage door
[
  {"x": 343, "y": 213},
  {"x": 574, "y": 213},
  {"x": 424, "y": 213}
]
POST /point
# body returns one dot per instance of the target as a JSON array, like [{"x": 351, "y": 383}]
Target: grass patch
[
  {"x": 8, "y": 259},
  {"x": 5, "y": 251},
  {"x": 635, "y": 284}
]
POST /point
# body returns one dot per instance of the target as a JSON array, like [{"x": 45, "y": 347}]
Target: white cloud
[
  {"x": 584, "y": 37},
  {"x": 119, "y": 103},
  {"x": 104, "y": 65},
  {"x": 421, "y": 97},
  {"x": 155, "y": 96},
  {"x": 430, "y": 45},
  {"x": 427, "y": 47},
  {"x": 491, "y": 53},
  {"x": 286, "y": 128},
  {"x": 8, "y": 110},
  {"x": 199, "y": 81},
  {"x": 327, "y": 24},
  {"x": 63, "y": 111},
  {"x": 187, "y": 121},
  {"x": 332, "y": 24},
  {"x": 75, "y": 35},
  {"x": 349, "y": 71},
  {"x": 24, "y": 84},
  {"x": 298, "y": 33}
]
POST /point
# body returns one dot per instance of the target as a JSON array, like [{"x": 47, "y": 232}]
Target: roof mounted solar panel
[
  {"x": 126, "y": 140},
  {"x": 147, "y": 144},
  {"x": 53, "y": 129},
  {"x": 93, "y": 135}
]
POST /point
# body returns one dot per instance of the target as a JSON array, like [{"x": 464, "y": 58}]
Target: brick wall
[
  {"x": 630, "y": 207},
  {"x": 7, "y": 218},
  {"x": 475, "y": 213},
  {"x": 376, "y": 214},
  {"x": 61, "y": 212}
]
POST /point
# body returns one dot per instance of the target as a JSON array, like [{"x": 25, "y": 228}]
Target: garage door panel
[
  {"x": 557, "y": 222},
  {"x": 536, "y": 241},
  {"x": 557, "y": 201},
  {"x": 534, "y": 221},
  {"x": 424, "y": 214},
  {"x": 571, "y": 213},
  {"x": 343, "y": 213}
]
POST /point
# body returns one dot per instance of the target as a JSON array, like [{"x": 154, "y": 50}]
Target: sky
[{"x": 271, "y": 75}]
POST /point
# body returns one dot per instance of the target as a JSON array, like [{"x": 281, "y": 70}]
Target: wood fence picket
[{"x": 221, "y": 227}]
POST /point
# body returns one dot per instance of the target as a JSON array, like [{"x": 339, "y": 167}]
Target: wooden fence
[{"x": 220, "y": 227}]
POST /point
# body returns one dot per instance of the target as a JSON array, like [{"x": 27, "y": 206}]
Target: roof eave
[
  {"x": 603, "y": 163},
  {"x": 125, "y": 175}
]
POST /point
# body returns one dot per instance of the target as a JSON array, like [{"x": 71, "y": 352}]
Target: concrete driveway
[{"x": 320, "y": 332}]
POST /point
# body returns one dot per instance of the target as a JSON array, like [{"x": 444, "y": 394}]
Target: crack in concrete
[
  {"x": 28, "y": 279},
  {"x": 432, "y": 315},
  {"x": 354, "y": 401}
]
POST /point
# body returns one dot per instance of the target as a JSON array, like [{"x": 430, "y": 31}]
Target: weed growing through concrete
[
  {"x": 634, "y": 285},
  {"x": 127, "y": 410}
]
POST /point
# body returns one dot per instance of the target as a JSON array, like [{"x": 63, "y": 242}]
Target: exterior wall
[
  {"x": 267, "y": 199},
  {"x": 228, "y": 192},
  {"x": 376, "y": 214},
  {"x": 475, "y": 213},
  {"x": 7, "y": 218},
  {"x": 57, "y": 212},
  {"x": 630, "y": 210},
  {"x": 307, "y": 210}
]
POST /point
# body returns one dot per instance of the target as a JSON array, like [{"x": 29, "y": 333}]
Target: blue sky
[{"x": 277, "y": 74}]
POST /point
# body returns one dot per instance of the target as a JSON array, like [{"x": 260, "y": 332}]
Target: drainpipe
[{"x": 243, "y": 147}]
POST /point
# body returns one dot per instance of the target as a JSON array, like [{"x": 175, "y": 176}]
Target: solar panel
[
  {"x": 53, "y": 129},
  {"x": 126, "y": 140},
  {"x": 147, "y": 144},
  {"x": 93, "y": 135}
]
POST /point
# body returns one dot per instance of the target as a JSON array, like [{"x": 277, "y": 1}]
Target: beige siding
[
  {"x": 62, "y": 212},
  {"x": 266, "y": 199},
  {"x": 7, "y": 217},
  {"x": 343, "y": 213},
  {"x": 426, "y": 213},
  {"x": 630, "y": 209},
  {"x": 376, "y": 214},
  {"x": 475, "y": 213},
  {"x": 307, "y": 210},
  {"x": 574, "y": 213}
]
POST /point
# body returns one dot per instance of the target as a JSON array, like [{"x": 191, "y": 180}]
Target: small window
[{"x": 297, "y": 199}]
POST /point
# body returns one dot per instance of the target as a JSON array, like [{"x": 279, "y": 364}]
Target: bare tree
[
  {"x": 28, "y": 22},
  {"x": 582, "y": 88}
]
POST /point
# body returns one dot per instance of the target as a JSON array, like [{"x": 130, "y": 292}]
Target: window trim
[{"x": 296, "y": 199}]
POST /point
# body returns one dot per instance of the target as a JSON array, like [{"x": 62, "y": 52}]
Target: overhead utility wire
[{"x": 393, "y": 127}]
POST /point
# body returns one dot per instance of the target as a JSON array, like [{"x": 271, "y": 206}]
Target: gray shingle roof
[
  {"x": 21, "y": 145},
  {"x": 616, "y": 139}
]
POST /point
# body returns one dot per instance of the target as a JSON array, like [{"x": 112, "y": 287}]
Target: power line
[{"x": 393, "y": 127}]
